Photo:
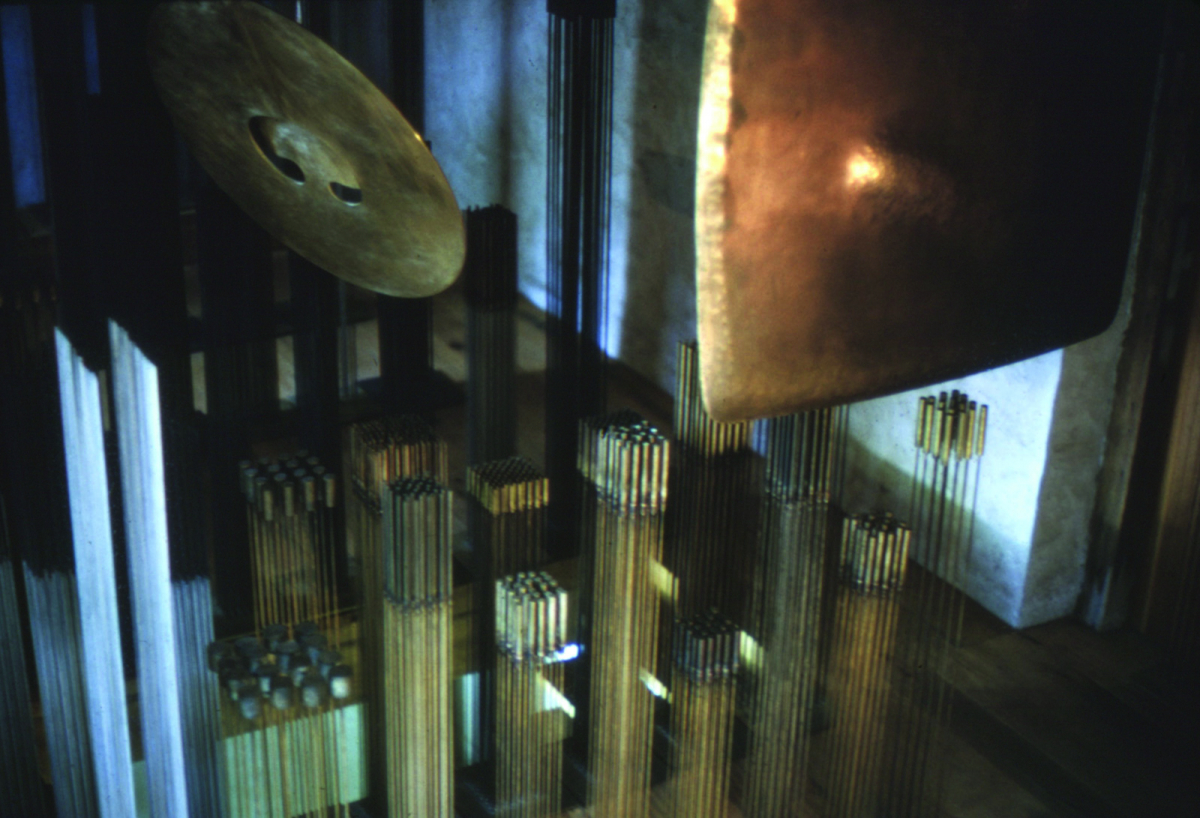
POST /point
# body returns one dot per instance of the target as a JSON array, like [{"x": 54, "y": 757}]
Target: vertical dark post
[
  {"x": 580, "y": 173},
  {"x": 314, "y": 310},
  {"x": 490, "y": 276},
  {"x": 19, "y": 776},
  {"x": 240, "y": 374},
  {"x": 406, "y": 324},
  {"x": 314, "y": 317}
]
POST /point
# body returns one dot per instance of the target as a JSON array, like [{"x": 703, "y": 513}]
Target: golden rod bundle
[
  {"x": 490, "y": 279},
  {"x": 950, "y": 436},
  {"x": 378, "y": 452},
  {"x": 531, "y": 629},
  {"x": 290, "y": 507},
  {"x": 703, "y": 701},
  {"x": 506, "y": 528},
  {"x": 714, "y": 503},
  {"x": 805, "y": 455},
  {"x": 627, "y": 460},
  {"x": 418, "y": 724},
  {"x": 510, "y": 498},
  {"x": 873, "y": 563},
  {"x": 289, "y": 682}
]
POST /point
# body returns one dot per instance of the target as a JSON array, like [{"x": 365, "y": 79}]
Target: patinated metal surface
[
  {"x": 891, "y": 194},
  {"x": 302, "y": 141}
]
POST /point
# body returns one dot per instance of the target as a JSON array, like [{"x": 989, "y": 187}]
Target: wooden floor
[{"x": 1058, "y": 720}]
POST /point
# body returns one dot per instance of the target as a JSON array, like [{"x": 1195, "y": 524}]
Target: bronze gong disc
[
  {"x": 307, "y": 146},
  {"x": 891, "y": 194}
]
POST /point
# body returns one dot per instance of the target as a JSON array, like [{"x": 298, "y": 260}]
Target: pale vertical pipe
[
  {"x": 91, "y": 530},
  {"x": 144, "y": 495}
]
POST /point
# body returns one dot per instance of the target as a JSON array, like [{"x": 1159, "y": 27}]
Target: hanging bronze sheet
[{"x": 892, "y": 194}]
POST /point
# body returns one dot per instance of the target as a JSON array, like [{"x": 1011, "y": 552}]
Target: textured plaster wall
[
  {"x": 1046, "y": 434},
  {"x": 1021, "y": 401},
  {"x": 486, "y": 117}
]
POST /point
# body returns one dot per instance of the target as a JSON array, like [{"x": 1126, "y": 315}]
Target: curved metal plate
[
  {"x": 307, "y": 146},
  {"x": 892, "y": 194}
]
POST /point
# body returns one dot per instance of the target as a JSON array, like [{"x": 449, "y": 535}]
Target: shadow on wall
[
  {"x": 660, "y": 290},
  {"x": 995, "y": 575}
]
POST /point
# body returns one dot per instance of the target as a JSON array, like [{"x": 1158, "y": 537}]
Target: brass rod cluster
[
  {"x": 290, "y": 509},
  {"x": 392, "y": 447},
  {"x": 511, "y": 484},
  {"x": 714, "y": 504},
  {"x": 380, "y": 451},
  {"x": 284, "y": 713},
  {"x": 875, "y": 552},
  {"x": 507, "y": 531},
  {"x": 873, "y": 562},
  {"x": 805, "y": 462},
  {"x": 294, "y": 662},
  {"x": 417, "y": 720},
  {"x": 508, "y": 526},
  {"x": 627, "y": 460},
  {"x": 703, "y": 703},
  {"x": 693, "y": 427},
  {"x": 531, "y": 630},
  {"x": 950, "y": 434},
  {"x": 490, "y": 279}
]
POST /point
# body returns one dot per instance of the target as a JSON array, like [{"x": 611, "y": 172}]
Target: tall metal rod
[{"x": 578, "y": 206}]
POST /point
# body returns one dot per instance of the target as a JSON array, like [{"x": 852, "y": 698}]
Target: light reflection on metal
[
  {"x": 864, "y": 168},
  {"x": 891, "y": 194}
]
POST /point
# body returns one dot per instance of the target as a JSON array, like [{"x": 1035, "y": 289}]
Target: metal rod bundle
[
  {"x": 291, "y": 509},
  {"x": 714, "y": 508},
  {"x": 510, "y": 500},
  {"x": 531, "y": 628},
  {"x": 27, "y": 484},
  {"x": 163, "y": 611},
  {"x": 417, "y": 537},
  {"x": 285, "y": 718},
  {"x": 693, "y": 427},
  {"x": 703, "y": 701},
  {"x": 506, "y": 527},
  {"x": 95, "y": 583},
  {"x": 293, "y": 539},
  {"x": 490, "y": 276},
  {"x": 19, "y": 777},
  {"x": 873, "y": 567},
  {"x": 805, "y": 461},
  {"x": 628, "y": 463},
  {"x": 950, "y": 436},
  {"x": 579, "y": 183},
  {"x": 381, "y": 451},
  {"x": 35, "y": 483}
]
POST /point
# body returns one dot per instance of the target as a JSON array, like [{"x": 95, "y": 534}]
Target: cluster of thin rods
[
  {"x": 490, "y": 276},
  {"x": 703, "y": 703},
  {"x": 950, "y": 435},
  {"x": 295, "y": 657},
  {"x": 805, "y": 461},
  {"x": 417, "y": 719},
  {"x": 531, "y": 629},
  {"x": 292, "y": 538},
  {"x": 874, "y": 557},
  {"x": 714, "y": 503},
  {"x": 627, "y": 462},
  {"x": 380, "y": 452}
]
